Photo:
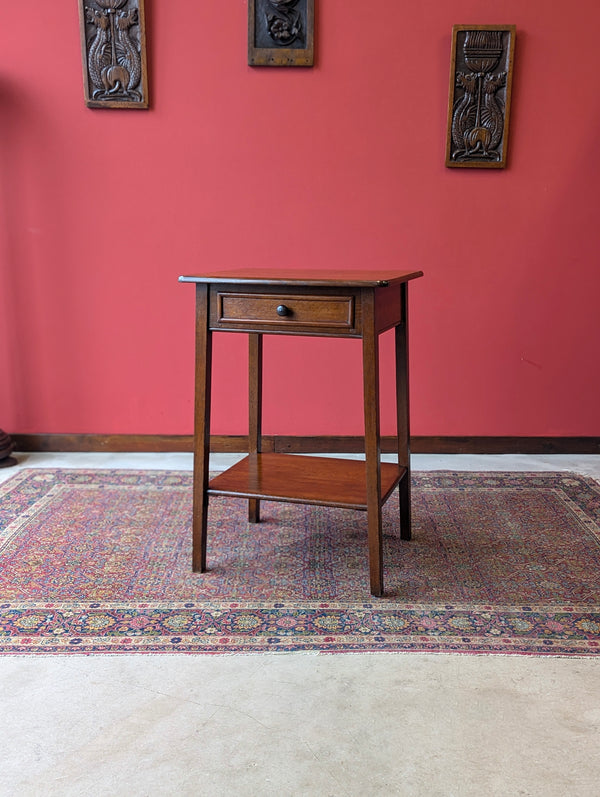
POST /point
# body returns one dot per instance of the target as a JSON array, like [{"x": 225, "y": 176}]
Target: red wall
[{"x": 339, "y": 165}]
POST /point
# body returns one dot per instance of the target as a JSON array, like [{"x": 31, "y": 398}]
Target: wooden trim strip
[{"x": 304, "y": 445}]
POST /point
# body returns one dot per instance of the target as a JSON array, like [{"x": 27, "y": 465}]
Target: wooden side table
[{"x": 341, "y": 304}]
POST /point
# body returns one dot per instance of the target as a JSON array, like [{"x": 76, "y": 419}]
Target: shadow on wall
[
  {"x": 38, "y": 312},
  {"x": 561, "y": 244}
]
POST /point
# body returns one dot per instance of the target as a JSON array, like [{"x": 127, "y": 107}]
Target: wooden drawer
[{"x": 310, "y": 313}]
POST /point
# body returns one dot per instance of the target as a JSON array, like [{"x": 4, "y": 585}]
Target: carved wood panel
[
  {"x": 281, "y": 32},
  {"x": 480, "y": 92},
  {"x": 113, "y": 49}
]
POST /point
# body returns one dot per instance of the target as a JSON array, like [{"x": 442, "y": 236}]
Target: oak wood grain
[
  {"x": 325, "y": 481},
  {"x": 201, "y": 429},
  {"x": 255, "y": 383},
  {"x": 349, "y": 278}
]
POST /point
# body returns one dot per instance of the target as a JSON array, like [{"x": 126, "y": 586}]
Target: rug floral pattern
[{"x": 98, "y": 561}]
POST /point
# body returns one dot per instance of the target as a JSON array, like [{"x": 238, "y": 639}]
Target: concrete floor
[{"x": 300, "y": 724}]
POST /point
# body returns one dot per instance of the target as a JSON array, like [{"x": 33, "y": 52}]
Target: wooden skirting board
[{"x": 298, "y": 445}]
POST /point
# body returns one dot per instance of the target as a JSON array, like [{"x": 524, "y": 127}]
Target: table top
[{"x": 349, "y": 278}]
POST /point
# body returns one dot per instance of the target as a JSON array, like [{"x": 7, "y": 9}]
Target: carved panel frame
[
  {"x": 481, "y": 74},
  {"x": 113, "y": 52},
  {"x": 281, "y": 32}
]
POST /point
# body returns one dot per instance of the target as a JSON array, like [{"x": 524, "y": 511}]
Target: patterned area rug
[{"x": 100, "y": 562}]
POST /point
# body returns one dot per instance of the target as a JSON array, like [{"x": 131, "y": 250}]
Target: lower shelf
[{"x": 305, "y": 480}]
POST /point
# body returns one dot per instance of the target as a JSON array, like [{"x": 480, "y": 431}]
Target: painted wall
[{"x": 339, "y": 165}]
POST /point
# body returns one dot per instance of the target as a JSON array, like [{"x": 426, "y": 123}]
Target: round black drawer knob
[{"x": 282, "y": 310}]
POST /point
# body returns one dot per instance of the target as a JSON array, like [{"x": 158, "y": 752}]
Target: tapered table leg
[
  {"x": 255, "y": 366},
  {"x": 372, "y": 442},
  {"x": 403, "y": 415},
  {"x": 201, "y": 429}
]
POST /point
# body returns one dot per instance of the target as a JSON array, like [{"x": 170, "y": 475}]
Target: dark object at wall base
[{"x": 6, "y": 448}]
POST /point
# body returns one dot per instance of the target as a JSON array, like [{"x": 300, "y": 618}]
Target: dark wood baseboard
[{"x": 306, "y": 445}]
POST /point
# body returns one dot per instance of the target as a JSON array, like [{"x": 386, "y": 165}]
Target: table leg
[
  {"x": 201, "y": 429},
  {"x": 403, "y": 417},
  {"x": 255, "y": 367},
  {"x": 372, "y": 442}
]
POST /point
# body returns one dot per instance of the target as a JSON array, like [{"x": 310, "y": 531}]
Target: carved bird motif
[
  {"x": 128, "y": 54},
  {"x": 478, "y": 119},
  {"x": 98, "y": 46},
  {"x": 493, "y": 111},
  {"x": 465, "y": 111},
  {"x": 114, "y": 62}
]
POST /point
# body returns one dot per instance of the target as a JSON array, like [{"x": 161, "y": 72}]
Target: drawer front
[{"x": 285, "y": 312}]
